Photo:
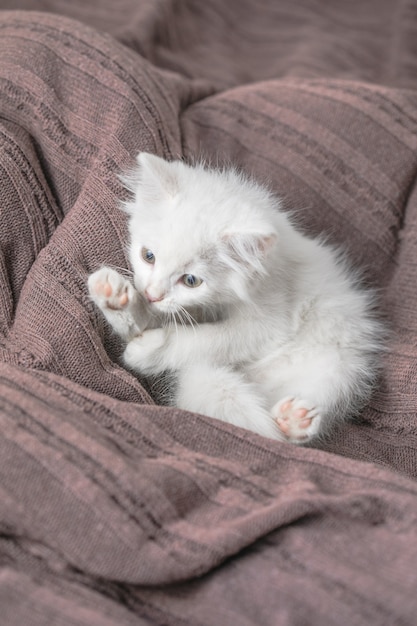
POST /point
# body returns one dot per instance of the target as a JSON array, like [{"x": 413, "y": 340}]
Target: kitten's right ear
[{"x": 153, "y": 178}]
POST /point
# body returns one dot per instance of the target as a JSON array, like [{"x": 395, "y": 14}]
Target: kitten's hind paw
[
  {"x": 109, "y": 289},
  {"x": 297, "y": 420}
]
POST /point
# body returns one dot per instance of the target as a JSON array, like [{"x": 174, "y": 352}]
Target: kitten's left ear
[{"x": 249, "y": 248}]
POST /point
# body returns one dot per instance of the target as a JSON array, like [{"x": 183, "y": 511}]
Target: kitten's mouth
[{"x": 162, "y": 306}]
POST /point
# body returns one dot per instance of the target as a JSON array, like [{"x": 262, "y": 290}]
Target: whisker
[
  {"x": 175, "y": 323},
  {"x": 122, "y": 270},
  {"x": 186, "y": 316},
  {"x": 192, "y": 319},
  {"x": 170, "y": 321},
  {"x": 179, "y": 316}
]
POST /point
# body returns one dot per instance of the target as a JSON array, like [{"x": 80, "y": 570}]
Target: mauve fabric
[{"x": 115, "y": 511}]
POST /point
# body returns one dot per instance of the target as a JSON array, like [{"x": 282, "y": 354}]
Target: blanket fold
[
  {"x": 114, "y": 510},
  {"x": 118, "y": 493}
]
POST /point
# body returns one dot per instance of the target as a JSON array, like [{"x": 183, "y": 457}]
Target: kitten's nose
[{"x": 151, "y": 298}]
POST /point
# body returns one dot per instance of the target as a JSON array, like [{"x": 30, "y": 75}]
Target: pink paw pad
[
  {"x": 296, "y": 421},
  {"x": 103, "y": 289},
  {"x": 124, "y": 299},
  {"x": 116, "y": 297}
]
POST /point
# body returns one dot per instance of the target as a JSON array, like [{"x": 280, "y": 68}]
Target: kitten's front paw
[
  {"x": 143, "y": 353},
  {"x": 297, "y": 420},
  {"x": 110, "y": 290}
]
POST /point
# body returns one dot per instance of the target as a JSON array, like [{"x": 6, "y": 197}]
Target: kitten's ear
[
  {"x": 249, "y": 249},
  {"x": 158, "y": 172},
  {"x": 154, "y": 177}
]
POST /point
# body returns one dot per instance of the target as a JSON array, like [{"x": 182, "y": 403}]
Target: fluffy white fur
[{"x": 276, "y": 336}]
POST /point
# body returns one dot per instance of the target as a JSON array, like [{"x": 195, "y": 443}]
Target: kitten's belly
[{"x": 267, "y": 371}]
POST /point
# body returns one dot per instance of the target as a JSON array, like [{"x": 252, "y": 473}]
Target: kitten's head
[{"x": 198, "y": 237}]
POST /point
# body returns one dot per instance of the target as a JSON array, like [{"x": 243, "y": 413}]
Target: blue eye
[
  {"x": 148, "y": 256},
  {"x": 191, "y": 281}
]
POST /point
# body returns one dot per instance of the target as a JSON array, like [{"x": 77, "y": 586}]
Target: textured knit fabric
[{"x": 115, "y": 511}]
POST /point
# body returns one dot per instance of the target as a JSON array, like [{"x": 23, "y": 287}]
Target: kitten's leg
[
  {"x": 224, "y": 394},
  {"x": 119, "y": 302},
  {"x": 313, "y": 388},
  {"x": 162, "y": 349}
]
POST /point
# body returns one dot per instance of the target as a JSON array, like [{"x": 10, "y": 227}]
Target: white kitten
[{"x": 265, "y": 328}]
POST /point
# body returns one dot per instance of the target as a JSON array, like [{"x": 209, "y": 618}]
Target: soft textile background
[{"x": 116, "y": 511}]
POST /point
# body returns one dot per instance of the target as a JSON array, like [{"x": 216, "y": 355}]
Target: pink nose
[{"x": 152, "y": 298}]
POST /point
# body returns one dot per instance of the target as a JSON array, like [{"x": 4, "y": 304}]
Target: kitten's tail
[{"x": 224, "y": 394}]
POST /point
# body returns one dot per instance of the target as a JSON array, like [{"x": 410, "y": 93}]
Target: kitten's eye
[
  {"x": 148, "y": 256},
  {"x": 191, "y": 281}
]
